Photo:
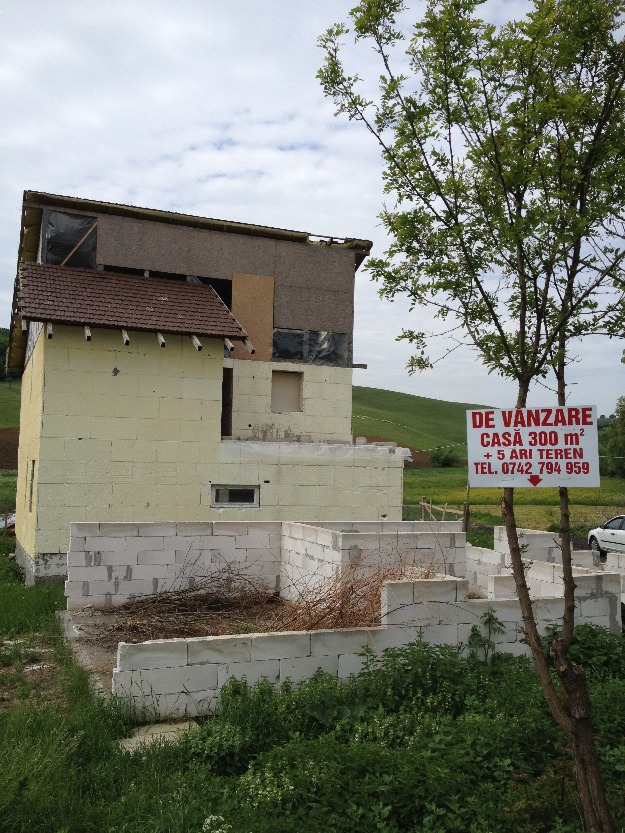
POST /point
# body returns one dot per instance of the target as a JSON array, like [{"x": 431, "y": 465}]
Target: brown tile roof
[{"x": 107, "y": 299}]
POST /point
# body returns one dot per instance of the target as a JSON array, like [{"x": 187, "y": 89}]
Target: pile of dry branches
[
  {"x": 224, "y": 603},
  {"x": 230, "y": 602},
  {"x": 351, "y": 600}
]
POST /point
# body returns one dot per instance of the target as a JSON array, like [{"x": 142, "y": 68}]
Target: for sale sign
[{"x": 529, "y": 447}]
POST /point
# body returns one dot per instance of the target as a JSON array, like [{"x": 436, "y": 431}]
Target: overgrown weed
[{"x": 422, "y": 739}]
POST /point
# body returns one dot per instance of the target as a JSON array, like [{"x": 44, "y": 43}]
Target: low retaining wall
[
  {"x": 490, "y": 574},
  {"x": 184, "y": 677},
  {"x": 108, "y": 564},
  {"x": 312, "y": 555},
  {"x": 490, "y": 571}
]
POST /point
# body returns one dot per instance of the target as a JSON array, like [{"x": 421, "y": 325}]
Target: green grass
[
  {"x": 534, "y": 508},
  {"x": 429, "y": 423},
  {"x": 10, "y": 392},
  {"x": 25, "y": 610},
  {"x": 8, "y": 487},
  {"x": 409, "y": 420},
  {"x": 423, "y": 739}
]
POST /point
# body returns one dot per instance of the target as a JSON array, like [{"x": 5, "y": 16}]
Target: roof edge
[{"x": 41, "y": 198}]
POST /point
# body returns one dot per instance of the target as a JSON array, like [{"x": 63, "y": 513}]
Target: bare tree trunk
[
  {"x": 592, "y": 796},
  {"x": 573, "y": 711}
]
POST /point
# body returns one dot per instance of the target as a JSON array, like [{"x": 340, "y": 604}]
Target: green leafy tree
[
  {"x": 612, "y": 442},
  {"x": 504, "y": 157}
]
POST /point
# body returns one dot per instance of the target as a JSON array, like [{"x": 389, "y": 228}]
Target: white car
[{"x": 608, "y": 538}]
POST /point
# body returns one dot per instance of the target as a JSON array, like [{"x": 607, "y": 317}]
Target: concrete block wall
[
  {"x": 481, "y": 563},
  {"x": 543, "y": 580},
  {"x": 444, "y": 613},
  {"x": 614, "y": 563},
  {"x": 326, "y": 414},
  {"x": 310, "y": 482},
  {"x": 311, "y": 556},
  {"x": 490, "y": 574},
  {"x": 184, "y": 677},
  {"x": 537, "y": 545},
  {"x": 109, "y": 564}
]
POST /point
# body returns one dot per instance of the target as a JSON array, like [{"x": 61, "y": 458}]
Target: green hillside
[
  {"x": 409, "y": 420},
  {"x": 9, "y": 390},
  {"x": 10, "y": 403}
]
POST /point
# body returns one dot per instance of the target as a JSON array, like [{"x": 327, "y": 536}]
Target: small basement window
[
  {"x": 236, "y": 496},
  {"x": 286, "y": 391}
]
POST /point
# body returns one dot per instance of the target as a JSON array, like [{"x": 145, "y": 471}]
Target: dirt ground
[
  {"x": 9, "y": 441},
  {"x": 93, "y": 634}
]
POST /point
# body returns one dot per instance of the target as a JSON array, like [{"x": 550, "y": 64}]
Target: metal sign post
[{"x": 533, "y": 447}]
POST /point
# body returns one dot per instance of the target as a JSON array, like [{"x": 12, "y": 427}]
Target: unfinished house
[{"x": 183, "y": 369}]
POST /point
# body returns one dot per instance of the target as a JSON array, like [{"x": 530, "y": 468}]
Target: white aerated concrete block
[
  {"x": 162, "y": 557},
  {"x": 382, "y": 639},
  {"x": 219, "y": 649},
  {"x": 169, "y": 680},
  {"x": 76, "y": 559},
  {"x": 88, "y": 573},
  {"x": 157, "y": 653},
  {"x": 153, "y": 530},
  {"x": 330, "y": 642},
  {"x": 350, "y": 665},
  {"x": 202, "y": 703},
  {"x": 253, "y": 671},
  {"x": 440, "y": 634},
  {"x": 285, "y": 645},
  {"x": 298, "y": 669}
]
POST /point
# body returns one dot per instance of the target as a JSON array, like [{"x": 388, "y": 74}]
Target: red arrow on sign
[{"x": 534, "y": 479}]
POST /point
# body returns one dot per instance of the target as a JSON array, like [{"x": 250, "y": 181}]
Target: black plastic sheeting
[
  {"x": 312, "y": 347},
  {"x": 64, "y": 232},
  {"x": 289, "y": 345}
]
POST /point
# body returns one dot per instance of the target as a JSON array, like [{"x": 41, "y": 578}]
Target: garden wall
[
  {"x": 183, "y": 677},
  {"x": 312, "y": 555},
  {"x": 108, "y": 564},
  {"x": 490, "y": 574},
  {"x": 490, "y": 571}
]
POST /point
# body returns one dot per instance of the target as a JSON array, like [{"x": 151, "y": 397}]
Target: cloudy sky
[{"x": 212, "y": 108}]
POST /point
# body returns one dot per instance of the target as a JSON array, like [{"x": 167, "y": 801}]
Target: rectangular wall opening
[
  {"x": 286, "y": 391},
  {"x": 226, "y": 402},
  {"x": 32, "y": 485}
]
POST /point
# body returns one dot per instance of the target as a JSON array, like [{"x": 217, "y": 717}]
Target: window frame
[{"x": 215, "y": 504}]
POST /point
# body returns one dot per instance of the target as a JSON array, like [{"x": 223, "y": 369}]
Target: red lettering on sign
[{"x": 483, "y": 419}]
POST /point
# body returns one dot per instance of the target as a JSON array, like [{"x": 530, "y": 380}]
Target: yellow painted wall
[
  {"x": 133, "y": 434},
  {"x": 326, "y": 414},
  {"x": 29, "y": 448},
  {"x": 125, "y": 429}
]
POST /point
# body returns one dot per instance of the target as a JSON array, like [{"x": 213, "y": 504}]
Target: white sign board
[{"x": 529, "y": 447}]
